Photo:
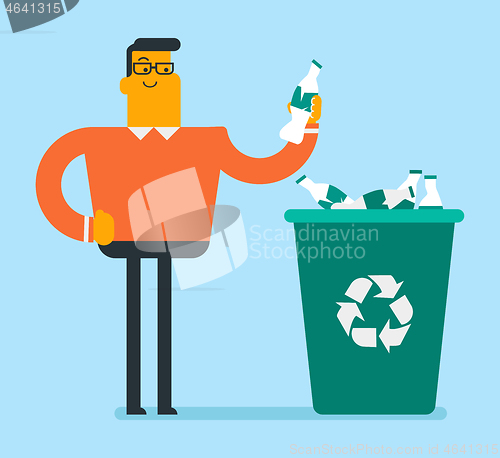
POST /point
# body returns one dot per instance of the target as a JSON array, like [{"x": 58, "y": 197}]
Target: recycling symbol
[{"x": 367, "y": 337}]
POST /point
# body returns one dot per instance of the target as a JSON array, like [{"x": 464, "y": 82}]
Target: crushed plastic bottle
[{"x": 380, "y": 199}]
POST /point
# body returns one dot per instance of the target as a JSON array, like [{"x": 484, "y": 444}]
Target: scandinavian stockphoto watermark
[{"x": 311, "y": 242}]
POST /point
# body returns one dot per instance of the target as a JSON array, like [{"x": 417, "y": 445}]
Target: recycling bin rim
[{"x": 374, "y": 216}]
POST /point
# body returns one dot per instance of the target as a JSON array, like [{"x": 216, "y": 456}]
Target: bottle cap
[
  {"x": 416, "y": 171},
  {"x": 315, "y": 62},
  {"x": 430, "y": 177},
  {"x": 300, "y": 179}
]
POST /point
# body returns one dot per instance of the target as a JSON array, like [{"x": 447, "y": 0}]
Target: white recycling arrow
[
  {"x": 388, "y": 286},
  {"x": 392, "y": 337},
  {"x": 365, "y": 337},
  {"x": 359, "y": 289},
  {"x": 348, "y": 311},
  {"x": 402, "y": 309}
]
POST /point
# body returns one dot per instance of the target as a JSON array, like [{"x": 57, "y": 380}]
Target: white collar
[{"x": 141, "y": 132}]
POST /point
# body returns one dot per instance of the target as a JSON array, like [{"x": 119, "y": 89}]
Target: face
[{"x": 153, "y": 90}]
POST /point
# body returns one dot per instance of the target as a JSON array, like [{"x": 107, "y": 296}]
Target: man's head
[{"x": 152, "y": 87}]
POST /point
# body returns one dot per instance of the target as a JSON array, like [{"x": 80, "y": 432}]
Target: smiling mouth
[{"x": 156, "y": 82}]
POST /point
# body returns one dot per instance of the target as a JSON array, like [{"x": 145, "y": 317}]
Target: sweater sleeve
[
  {"x": 269, "y": 169},
  {"x": 49, "y": 191}
]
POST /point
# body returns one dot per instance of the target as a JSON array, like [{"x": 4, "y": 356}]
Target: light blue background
[{"x": 405, "y": 84}]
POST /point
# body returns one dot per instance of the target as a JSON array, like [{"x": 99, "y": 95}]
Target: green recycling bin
[{"x": 374, "y": 285}]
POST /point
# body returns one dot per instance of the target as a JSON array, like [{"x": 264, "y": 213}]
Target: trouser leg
[
  {"x": 165, "y": 336},
  {"x": 134, "y": 336}
]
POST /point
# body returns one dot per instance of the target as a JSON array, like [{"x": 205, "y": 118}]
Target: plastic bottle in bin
[
  {"x": 325, "y": 194},
  {"x": 383, "y": 199},
  {"x": 432, "y": 199},
  {"x": 301, "y": 106},
  {"x": 412, "y": 181},
  {"x": 330, "y": 197}
]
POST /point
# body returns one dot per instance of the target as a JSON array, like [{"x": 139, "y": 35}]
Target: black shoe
[
  {"x": 167, "y": 411},
  {"x": 136, "y": 411}
]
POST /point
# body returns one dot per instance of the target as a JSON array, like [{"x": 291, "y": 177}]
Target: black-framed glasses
[{"x": 162, "y": 68}]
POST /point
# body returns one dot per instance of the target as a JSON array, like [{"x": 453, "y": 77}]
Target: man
[{"x": 121, "y": 161}]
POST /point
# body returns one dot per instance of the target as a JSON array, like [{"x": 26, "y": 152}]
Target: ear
[{"x": 124, "y": 85}]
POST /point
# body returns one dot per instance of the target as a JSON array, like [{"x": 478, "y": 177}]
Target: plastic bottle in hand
[
  {"x": 325, "y": 194},
  {"x": 301, "y": 106}
]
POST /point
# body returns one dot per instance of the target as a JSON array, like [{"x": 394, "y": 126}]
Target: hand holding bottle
[
  {"x": 301, "y": 106},
  {"x": 315, "y": 109}
]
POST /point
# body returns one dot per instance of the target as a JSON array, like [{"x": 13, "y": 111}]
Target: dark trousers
[{"x": 129, "y": 252}]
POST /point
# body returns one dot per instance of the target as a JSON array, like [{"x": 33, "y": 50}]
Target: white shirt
[{"x": 141, "y": 132}]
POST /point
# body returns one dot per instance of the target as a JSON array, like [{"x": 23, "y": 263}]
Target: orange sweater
[{"x": 119, "y": 163}]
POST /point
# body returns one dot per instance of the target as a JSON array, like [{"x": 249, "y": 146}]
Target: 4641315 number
[{"x": 34, "y": 8}]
